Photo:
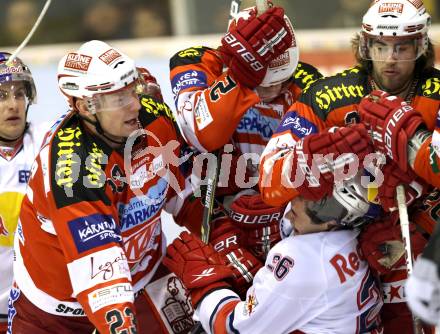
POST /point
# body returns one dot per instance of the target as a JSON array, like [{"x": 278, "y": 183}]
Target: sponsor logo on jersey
[
  {"x": 114, "y": 294},
  {"x": 93, "y": 231},
  {"x": 68, "y": 162},
  {"x": 327, "y": 95},
  {"x": 251, "y": 303},
  {"x": 139, "y": 242},
  {"x": 300, "y": 126},
  {"x": 140, "y": 209},
  {"x": 202, "y": 115},
  {"x": 67, "y": 310},
  {"x": 186, "y": 80},
  {"x": 391, "y": 7},
  {"x": 156, "y": 108},
  {"x": 110, "y": 56},
  {"x": 104, "y": 270},
  {"x": 146, "y": 172},
  {"x": 77, "y": 62},
  {"x": 256, "y": 123},
  {"x": 13, "y": 296},
  {"x": 191, "y": 52},
  {"x": 431, "y": 87},
  {"x": 95, "y": 177}
]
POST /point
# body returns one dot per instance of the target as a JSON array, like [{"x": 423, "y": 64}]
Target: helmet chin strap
[
  {"x": 100, "y": 130},
  {"x": 6, "y": 140}
]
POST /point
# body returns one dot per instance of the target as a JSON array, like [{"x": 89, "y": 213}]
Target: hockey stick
[
  {"x": 29, "y": 35},
  {"x": 404, "y": 225},
  {"x": 212, "y": 174}
]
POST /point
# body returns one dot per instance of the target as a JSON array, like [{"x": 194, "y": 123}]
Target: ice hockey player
[
  {"x": 19, "y": 144},
  {"x": 235, "y": 95},
  {"x": 398, "y": 61},
  {"x": 314, "y": 281},
  {"x": 89, "y": 242}
]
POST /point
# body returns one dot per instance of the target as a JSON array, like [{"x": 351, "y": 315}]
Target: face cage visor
[
  {"x": 115, "y": 100},
  {"x": 385, "y": 48}
]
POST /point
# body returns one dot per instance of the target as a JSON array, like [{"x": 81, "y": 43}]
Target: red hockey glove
[
  {"x": 312, "y": 174},
  {"x": 259, "y": 221},
  {"x": 227, "y": 239},
  {"x": 253, "y": 42},
  {"x": 392, "y": 122},
  {"x": 393, "y": 176},
  {"x": 199, "y": 266},
  {"x": 150, "y": 86},
  {"x": 382, "y": 245}
]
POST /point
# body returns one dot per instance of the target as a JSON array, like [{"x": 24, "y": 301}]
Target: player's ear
[{"x": 81, "y": 106}]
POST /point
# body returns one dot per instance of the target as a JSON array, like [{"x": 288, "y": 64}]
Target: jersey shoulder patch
[
  {"x": 330, "y": 93},
  {"x": 188, "y": 56},
  {"x": 305, "y": 74},
  {"x": 429, "y": 85},
  {"x": 77, "y": 165}
]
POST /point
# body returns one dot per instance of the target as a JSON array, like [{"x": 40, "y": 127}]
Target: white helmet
[
  {"x": 349, "y": 206},
  {"x": 282, "y": 67},
  {"x": 95, "y": 69},
  {"x": 395, "y": 19}
]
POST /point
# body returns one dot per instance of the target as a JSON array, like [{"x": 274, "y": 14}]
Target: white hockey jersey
[
  {"x": 15, "y": 169},
  {"x": 312, "y": 283}
]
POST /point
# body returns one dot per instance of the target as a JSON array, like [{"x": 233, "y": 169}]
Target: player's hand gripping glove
[
  {"x": 258, "y": 221},
  {"x": 394, "y": 176},
  {"x": 423, "y": 286},
  {"x": 252, "y": 42},
  {"x": 227, "y": 239},
  {"x": 391, "y": 122},
  {"x": 318, "y": 158},
  {"x": 199, "y": 266},
  {"x": 382, "y": 245}
]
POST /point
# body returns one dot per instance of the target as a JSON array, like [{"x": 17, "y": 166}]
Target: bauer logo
[
  {"x": 77, "y": 62},
  {"x": 110, "y": 56},
  {"x": 298, "y": 125},
  {"x": 94, "y": 231}
]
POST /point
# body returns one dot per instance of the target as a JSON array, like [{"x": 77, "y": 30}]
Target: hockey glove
[
  {"x": 259, "y": 221},
  {"x": 423, "y": 286},
  {"x": 394, "y": 176},
  {"x": 392, "y": 122},
  {"x": 199, "y": 266},
  {"x": 149, "y": 85},
  {"x": 253, "y": 42},
  {"x": 227, "y": 239},
  {"x": 382, "y": 245},
  {"x": 318, "y": 158}
]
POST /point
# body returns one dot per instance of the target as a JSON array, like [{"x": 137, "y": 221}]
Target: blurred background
[{"x": 151, "y": 31}]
